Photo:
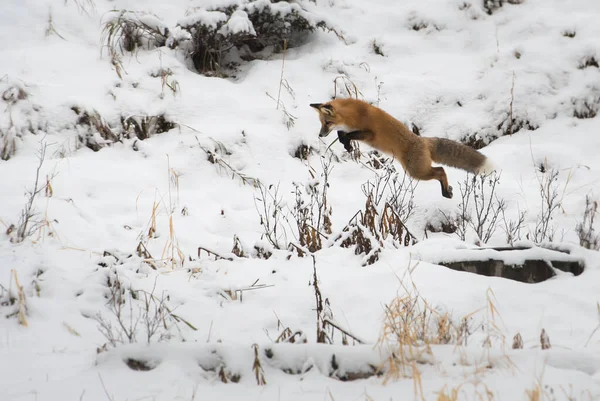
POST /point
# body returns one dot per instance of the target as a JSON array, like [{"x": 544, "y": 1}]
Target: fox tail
[{"x": 455, "y": 154}]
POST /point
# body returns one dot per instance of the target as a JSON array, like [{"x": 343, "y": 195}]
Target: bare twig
[
  {"x": 282, "y": 69},
  {"x": 110, "y": 398},
  {"x": 201, "y": 248},
  {"x": 27, "y": 225},
  {"x": 512, "y": 98},
  {"x": 343, "y": 330}
]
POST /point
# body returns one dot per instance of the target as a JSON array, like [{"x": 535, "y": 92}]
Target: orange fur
[{"x": 370, "y": 124}]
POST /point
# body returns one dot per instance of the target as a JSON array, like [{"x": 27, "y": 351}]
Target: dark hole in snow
[
  {"x": 531, "y": 270},
  {"x": 359, "y": 374},
  {"x": 303, "y": 151},
  {"x": 137, "y": 364}
]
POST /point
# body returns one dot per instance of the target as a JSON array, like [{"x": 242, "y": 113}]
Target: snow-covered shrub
[
  {"x": 418, "y": 23},
  {"x": 215, "y": 39},
  {"x": 8, "y": 143},
  {"x": 222, "y": 36},
  {"x": 389, "y": 204},
  {"x": 303, "y": 151},
  {"x": 21, "y": 116},
  {"x": 128, "y": 30},
  {"x": 506, "y": 126},
  {"x": 587, "y": 107},
  {"x": 587, "y": 62},
  {"x": 143, "y": 127},
  {"x": 94, "y": 132},
  {"x": 490, "y": 6},
  {"x": 588, "y": 238}
]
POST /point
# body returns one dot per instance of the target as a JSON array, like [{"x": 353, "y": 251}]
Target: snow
[
  {"x": 452, "y": 78},
  {"x": 208, "y": 18},
  {"x": 238, "y": 23}
]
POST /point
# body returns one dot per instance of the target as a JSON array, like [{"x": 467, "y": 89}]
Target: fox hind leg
[
  {"x": 434, "y": 173},
  {"x": 440, "y": 175}
]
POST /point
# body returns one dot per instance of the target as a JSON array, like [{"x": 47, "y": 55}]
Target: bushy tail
[{"x": 455, "y": 154}]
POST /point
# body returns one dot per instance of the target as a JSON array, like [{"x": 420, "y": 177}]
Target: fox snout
[
  {"x": 324, "y": 131},
  {"x": 324, "y": 110}
]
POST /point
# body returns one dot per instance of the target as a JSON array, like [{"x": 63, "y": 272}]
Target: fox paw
[
  {"x": 345, "y": 141},
  {"x": 447, "y": 193}
]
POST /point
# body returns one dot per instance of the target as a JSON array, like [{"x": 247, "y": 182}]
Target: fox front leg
[
  {"x": 346, "y": 137},
  {"x": 345, "y": 140}
]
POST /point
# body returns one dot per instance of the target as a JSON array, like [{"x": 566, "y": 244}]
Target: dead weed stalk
[
  {"x": 19, "y": 300},
  {"x": 216, "y": 157}
]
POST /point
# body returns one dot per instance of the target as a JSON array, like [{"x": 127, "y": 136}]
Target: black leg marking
[
  {"x": 358, "y": 135},
  {"x": 346, "y": 137},
  {"x": 345, "y": 140}
]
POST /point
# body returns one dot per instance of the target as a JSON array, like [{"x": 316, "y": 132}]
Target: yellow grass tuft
[{"x": 21, "y": 299}]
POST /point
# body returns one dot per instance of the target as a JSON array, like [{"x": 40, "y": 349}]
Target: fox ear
[
  {"x": 327, "y": 109},
  {"x": 324, "y": 108}
]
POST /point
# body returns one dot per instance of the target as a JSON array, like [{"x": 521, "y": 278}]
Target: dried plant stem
[
  {"x": 201, "y": 248},
  {"x": 22, "y": 301},
  {"x": 343, "y": 330},
  {"x": 512, "y": 98},
  {"x": 282, "y": 69}
]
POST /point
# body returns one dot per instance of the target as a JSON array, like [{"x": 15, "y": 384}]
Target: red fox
[{"x": 358, "y": 120}]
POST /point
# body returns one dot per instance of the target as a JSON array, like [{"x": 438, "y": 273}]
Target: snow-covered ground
[{"x": 446, "y": 66}]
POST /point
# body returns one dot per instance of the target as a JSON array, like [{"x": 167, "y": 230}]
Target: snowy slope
[{"x": 447, "y": 67}]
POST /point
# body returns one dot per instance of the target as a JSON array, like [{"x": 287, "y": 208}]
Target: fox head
[{"x": 328, "y": 117}]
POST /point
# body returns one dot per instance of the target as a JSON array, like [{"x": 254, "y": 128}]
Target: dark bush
[{"x": 221, "y": 37}]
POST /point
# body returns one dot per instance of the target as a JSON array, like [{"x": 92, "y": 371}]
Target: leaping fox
[{"x": 358, "y": 120}]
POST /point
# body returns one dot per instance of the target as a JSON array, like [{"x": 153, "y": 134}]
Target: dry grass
[
  {"x": 512, "y": 98},
  {"x": 517, "y": 341},
  {"x": 347, "y": 88},
  {"x": 588, "y": 238},
  {"x": 545, "y": 340},
  {"x": 288, "y": 118},
  {"x": 410, "y": 327},
  {"x": 124, "y": 31},
  {"x": 493, "y": 318},
  {"x": 84, "y": 6},
  {"x": 259, "y": 373},
  {"x": 537, "y": 393},
  {"x": 51, "y": 29},
  {"x": 21, "y": 312},
  {"x": 171, "y": 255},
  {"x": 217, "y": 156},
  {"x": 480, "y": 392},
  {"x": 172, "y": 252}
]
